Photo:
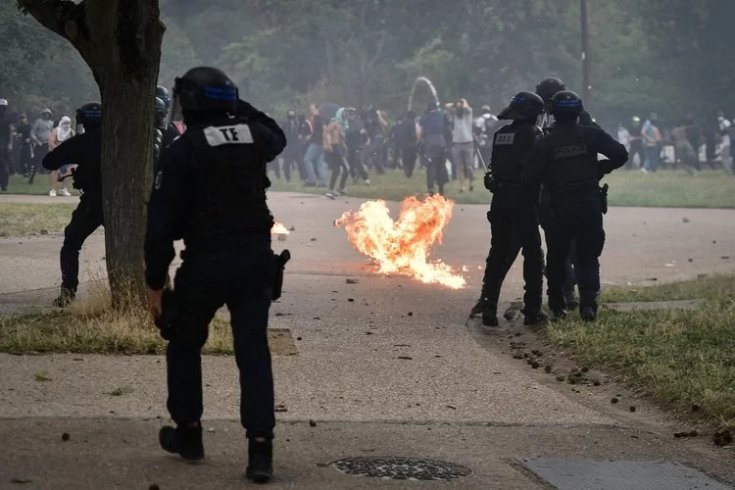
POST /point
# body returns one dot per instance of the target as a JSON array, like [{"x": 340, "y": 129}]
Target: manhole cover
[
  {"x": 590, "y": 474},
  {"x": 401, "y": 468}
]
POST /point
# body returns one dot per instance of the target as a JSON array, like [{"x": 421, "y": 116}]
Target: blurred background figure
[{"x": 58, "y": 135}]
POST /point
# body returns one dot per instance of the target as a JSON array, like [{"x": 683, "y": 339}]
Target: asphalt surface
[{"x": 385, "y": 366}]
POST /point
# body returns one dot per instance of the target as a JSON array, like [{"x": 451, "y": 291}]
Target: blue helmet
[
  {"x": 206, "y": 89},
  {"x": 566, "y": 102},
  {"x": 90, "y": 114}
]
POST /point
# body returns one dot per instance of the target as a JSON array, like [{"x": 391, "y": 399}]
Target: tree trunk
[{"x": 121, "y": 42}]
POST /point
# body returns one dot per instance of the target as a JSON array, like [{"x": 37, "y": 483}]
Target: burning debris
[{"x": 403, "y": 246}]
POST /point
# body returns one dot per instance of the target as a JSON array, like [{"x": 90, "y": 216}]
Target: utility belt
[{"x": 214, "y": 244}]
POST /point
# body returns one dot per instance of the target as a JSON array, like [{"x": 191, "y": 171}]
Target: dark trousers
[
  {"x": 408, "y": 158},
  {"x": 4, "y": 167},
  {"x": 354, "y": 160},
  {"x": 293, "y": 159},
  {"x": 337, "y": 163},
  {"x": 436, "y": 170},
  {"x": 577, "y": 219},
  {"x": 513, "y": 232},
  {"x": 85, "y": 219},
  {"x": 571, "y": 263},
  {"x": 636, "y": 148},
  {"x": 242, "y": 280}
]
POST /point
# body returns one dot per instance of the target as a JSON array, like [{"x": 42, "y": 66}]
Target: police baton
[{"x": 482, "y": 160}]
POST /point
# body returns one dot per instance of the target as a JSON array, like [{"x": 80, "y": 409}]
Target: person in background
[
  {"x": 406, "y": 139},
  {"x": 636, "y": 144},
  {"x": 23, "y": 142},
  {"x": 59, "y": 134},
  {"x": 432, "y": 135},
  {"x": 40, "y": 134},
  {"x": 485, "y": 127},
  {"x": 316, "y": 172},
  {"x": 463, "y": 145},
  {"x": 623, "y": 136},
  {"x": 292, "y": 154},
  {"x": 6, "y": 144},
  {"x": 334, "y": 154},
  {"x": 651, "y": 136},
  {"x": 355, "y": 136}
]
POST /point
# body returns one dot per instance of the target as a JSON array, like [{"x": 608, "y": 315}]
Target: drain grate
[{"x": 396, "y": 468}]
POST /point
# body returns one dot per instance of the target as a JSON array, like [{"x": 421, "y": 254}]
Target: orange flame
[{"x": 403, "y": 246}]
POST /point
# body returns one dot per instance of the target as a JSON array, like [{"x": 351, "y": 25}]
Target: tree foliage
[{"x": 669, "y": 56}]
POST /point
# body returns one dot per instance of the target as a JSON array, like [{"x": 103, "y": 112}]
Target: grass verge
[
  {"x": 17, "y": 219},
  {"x": 666, "y": 188},
  {"x": 93, "y": 326},
  {"x": 684, "y": 359}
]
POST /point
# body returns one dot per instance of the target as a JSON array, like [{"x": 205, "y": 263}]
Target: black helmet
[
  {"x": 90, "y": 114},
  {"x": 163, "y": 94},
  {"x": 523, "y": 105},
  {"x": 432, "y": 106},
  {"x": 206, "y": 89},
  {"x": 159, "y": 106},
  {"x": 548, "y": 87},
  {"x": 566, "y": 102}
]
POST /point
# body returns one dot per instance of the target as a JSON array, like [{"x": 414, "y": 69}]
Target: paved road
[{"x": 393, "y": 372}]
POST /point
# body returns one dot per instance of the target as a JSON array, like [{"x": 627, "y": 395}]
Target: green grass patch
[
  {"x": 684, "y": 359},
  {"x": 39, "y": 187},
  {"x": 18, "y": 219},
  {"x": 666, "y": 188}
]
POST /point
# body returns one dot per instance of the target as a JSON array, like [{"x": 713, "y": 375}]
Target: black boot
[
  {"x": 260, "y": 461},
  {"x": 558, "y": 308},
  {"x": 182, "y": 440},
  {"x": 588, "y": 313},
  {"x": 490, "y": 314},
  {"x": 65, "y": 297},
  {"x": 534, "y": 317},
  {"x": 476, "y": 310}
]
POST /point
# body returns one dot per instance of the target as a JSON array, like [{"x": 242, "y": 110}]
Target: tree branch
[{"x": 54, "y": 15}]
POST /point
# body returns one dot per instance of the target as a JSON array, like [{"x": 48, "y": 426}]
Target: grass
[
  {"x": 19, "y": 219},
  {"x": 667, "y": 188},
  {"x": 684, "y": 359},
  {"x": 39, "y": 187},
  {"x": 93, "y": 326}
]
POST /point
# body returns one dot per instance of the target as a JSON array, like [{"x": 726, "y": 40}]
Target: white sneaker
[
  {"x": 52, "y": 193},
  {"x": 65, "y": 193}
]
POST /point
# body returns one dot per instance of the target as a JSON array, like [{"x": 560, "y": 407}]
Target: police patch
[
  {"x": 238, "y": 134},
  {"x": 158, "y": 180},
  {"x": 569, "y": 151},
  {"x": 504, "y": 138}
]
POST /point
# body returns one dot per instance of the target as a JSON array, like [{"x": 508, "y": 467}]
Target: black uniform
[
  {"x": 85, "y": 150},
  {"x": 228, "y": 259},
  {"x": 513, "y": 218},
  {"x": 571, "y": 264},
  {"x": 565, "y": 161}
]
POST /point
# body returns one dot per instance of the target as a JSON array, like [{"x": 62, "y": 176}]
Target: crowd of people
[
  {"x": 451, "y": 142},
  {"x": 24, "y": 144},
  {"x": 654, "y": 143}
]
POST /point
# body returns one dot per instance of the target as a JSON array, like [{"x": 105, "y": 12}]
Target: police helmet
[
  {"x": 206, "y": 89},
  {"x": 523, "y": 105},
  {"x": 163, "y": 94},
  {"x": 566, "y": 103},
  {"x": 90, "y": 114},
  {"x": 432, "y": 106},
  {"x": 548, "y": 87},
  {"x": 159, "y": 106}
]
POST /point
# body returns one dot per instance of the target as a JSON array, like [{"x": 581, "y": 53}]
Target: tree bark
[{"x": 121, "y": 42}]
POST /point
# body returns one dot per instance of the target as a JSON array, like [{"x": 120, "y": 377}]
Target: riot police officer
[
  {"x": 170, "y": 131},
  {"x": 160, "y": 111},
  {"x": 85, "y": 150},
  {"x": 565, "y": 162},
  {"x": 225, "y": 226},
  {"x": 514, "y": 223}
]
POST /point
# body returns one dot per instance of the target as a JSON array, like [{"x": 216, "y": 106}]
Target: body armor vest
[
  {"x": 230, "y": 198},
  {"x": 572, "y": 163},
  {"x": 511, "y": 147}
]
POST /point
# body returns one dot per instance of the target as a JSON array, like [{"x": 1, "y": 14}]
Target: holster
[
  {"x": 280, "y": 266},
  {"x": 169, "y": 312},
  {"x": 603, "y": 198}
]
